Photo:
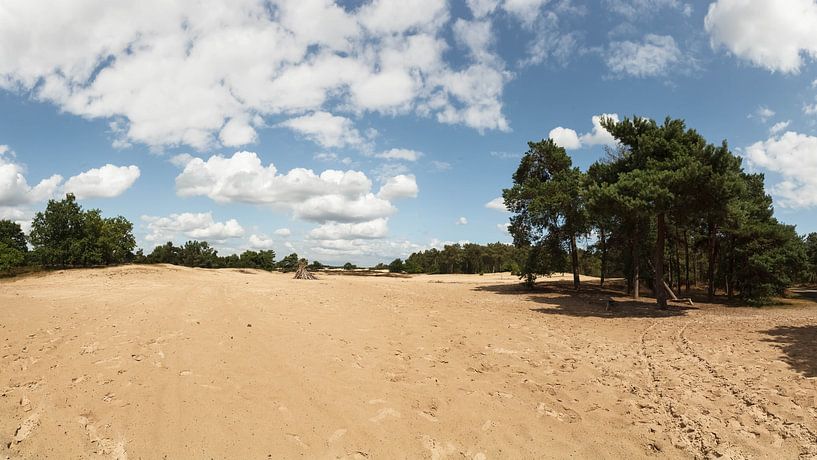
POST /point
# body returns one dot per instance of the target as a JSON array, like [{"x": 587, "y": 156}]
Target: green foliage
[
  {"x": 11, "y": 234},
  {"x": 65, "y": 235},
  {"x": 468, "y": 258},
  {"x": 349, "y": 266},
  {"x": 315, "y": 265},
  {"x": 665, "y": 205},
  {"x": 396, "y": 266},
  {"x": 10, "y": 257},
  {"x": 548, "y": 203},
  {"x": 288, "y": 263},
  {"x": 200, "y": 254}
]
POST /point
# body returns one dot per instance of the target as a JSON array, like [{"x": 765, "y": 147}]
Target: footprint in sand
[
  {"x": 185, "y": 372},
  {"x": 104, "y": 446},
  {"x": 385, "y": 413},
  {"x": 336, "y": 436},
  {"x": 297, "y": 440},
  {"x": 27, "y": 427}
]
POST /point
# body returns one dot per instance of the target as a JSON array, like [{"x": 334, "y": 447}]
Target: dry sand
[{"x": 169, "y": 362}]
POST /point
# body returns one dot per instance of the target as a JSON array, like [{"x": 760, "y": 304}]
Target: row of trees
[
  {"x": 465, "y": 258},
  {"x": 201, "y": 254},
  {"x": 658, "y": 207}
]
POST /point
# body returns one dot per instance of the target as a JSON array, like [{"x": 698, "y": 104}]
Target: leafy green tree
[
  {"x": 289, "y": 263},
  {"x": 57, "y": 232},
  {"x": 547, "y": 201},
  {"x": 13, "y": 247},
  {"x": 315, "y": 265},
  {"x": 349, "y": 266},
  {"x": 396, "y": 266},
  {"x": 65, "y": 235},
  {"x": 811, "y": 256},
  {"x": 12, "y": 235}
]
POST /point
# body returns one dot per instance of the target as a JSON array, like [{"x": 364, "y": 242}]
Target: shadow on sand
[
  {"x": 799, "y": 344},
  {"x": 559, "y": 298}
]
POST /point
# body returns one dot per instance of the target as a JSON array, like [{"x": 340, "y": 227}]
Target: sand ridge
[{"x": 153, "y": 361}]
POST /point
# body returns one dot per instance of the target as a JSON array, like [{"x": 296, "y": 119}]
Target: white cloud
[
  {"x": 328, "y": 130},
  {"x": 332, "y": 157},
  {"x": 482, "y": 8},
  {"x": 400, "y": 154},
  {"x": 599, "y": 135},
  {"x": 377, "y": 228},
  {"x": 400, "y": 186},
  {"x": 340, "y": 196},
  {"x": 208, "y": 72},
  {"x": 105, "y": 182},
  {"x": 654, "y": 56},
  {"x": 565, "y": 137},
  {"x": 810, "y": 109},
  {"x": 643, "y": 9},
  {"x": 497, "y": 204},
  {"x": 794, "y": 157},
  {"x": 14, "y": 188},
  {"x": 260, "y": 242},
  {"x": 283, "y": 232},
  {"x": 570, "y": 140},
  {"x": 774, "y": 34},
  {"x": 440, "y": 166},
  {"x": 763, "y": 113},
  {"x": 462, "y": 221},
  {"x": 237, "y": 132},
  {"x": 191, "y": 225},
  {"x": 779, "y": 127},
  {"x": 503, "y": 227}
]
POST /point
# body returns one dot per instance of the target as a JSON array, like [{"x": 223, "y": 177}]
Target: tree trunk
[
  {"x": 660, "y": 292},
  {"x": 677, "y": 264},
  {"x": 686, "y": 259},
  {"x": 636, "y": 264},
  {"x": 574, "y": 253},
  {"x": 710, "y": 274},
  {"x": 731, "y": 274},
  {"x": 603, "y": 255}
]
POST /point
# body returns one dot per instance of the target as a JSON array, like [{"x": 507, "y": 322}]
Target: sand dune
[{"x": 155, "y": 362}]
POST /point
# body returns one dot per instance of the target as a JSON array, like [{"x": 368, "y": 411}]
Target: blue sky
[{"x": 365, "y": 130}]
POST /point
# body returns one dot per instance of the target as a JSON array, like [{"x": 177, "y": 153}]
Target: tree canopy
[{"x": 662, "y": 190}]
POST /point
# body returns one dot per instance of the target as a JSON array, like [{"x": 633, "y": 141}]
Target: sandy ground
[{"x": 170, "y": 362}]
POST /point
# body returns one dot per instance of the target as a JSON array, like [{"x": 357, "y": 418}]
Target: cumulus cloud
[
  {"x": 377, "y": 228},
  {"x": 208, "y": 72},
  {"x": 570, "y": 140},
  {"x": 774, "y": 34},
  {"x": 503, "y": 227},
  {"x": 462, "y": 221},
  {"x": 654, "y": 56},
  {"x": 325, "y": 129},
  {"x": 400, "y": 186},
  {"x": 191, "y": 225},
  {"x": 565, "y": 137},
  {"x": 338, "y": 196},
  {"x": 14, "y": 188},
  {"x": 105, "y": 182},
  {"x": 400, "y": 154},
  {"x": 497, "y": 204},
  {"x": 283, "y": 232},
  {"x": 260, "y": 242},
  {"x": 779, "y": 127},
  {"x": 794, "y": 157}
]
